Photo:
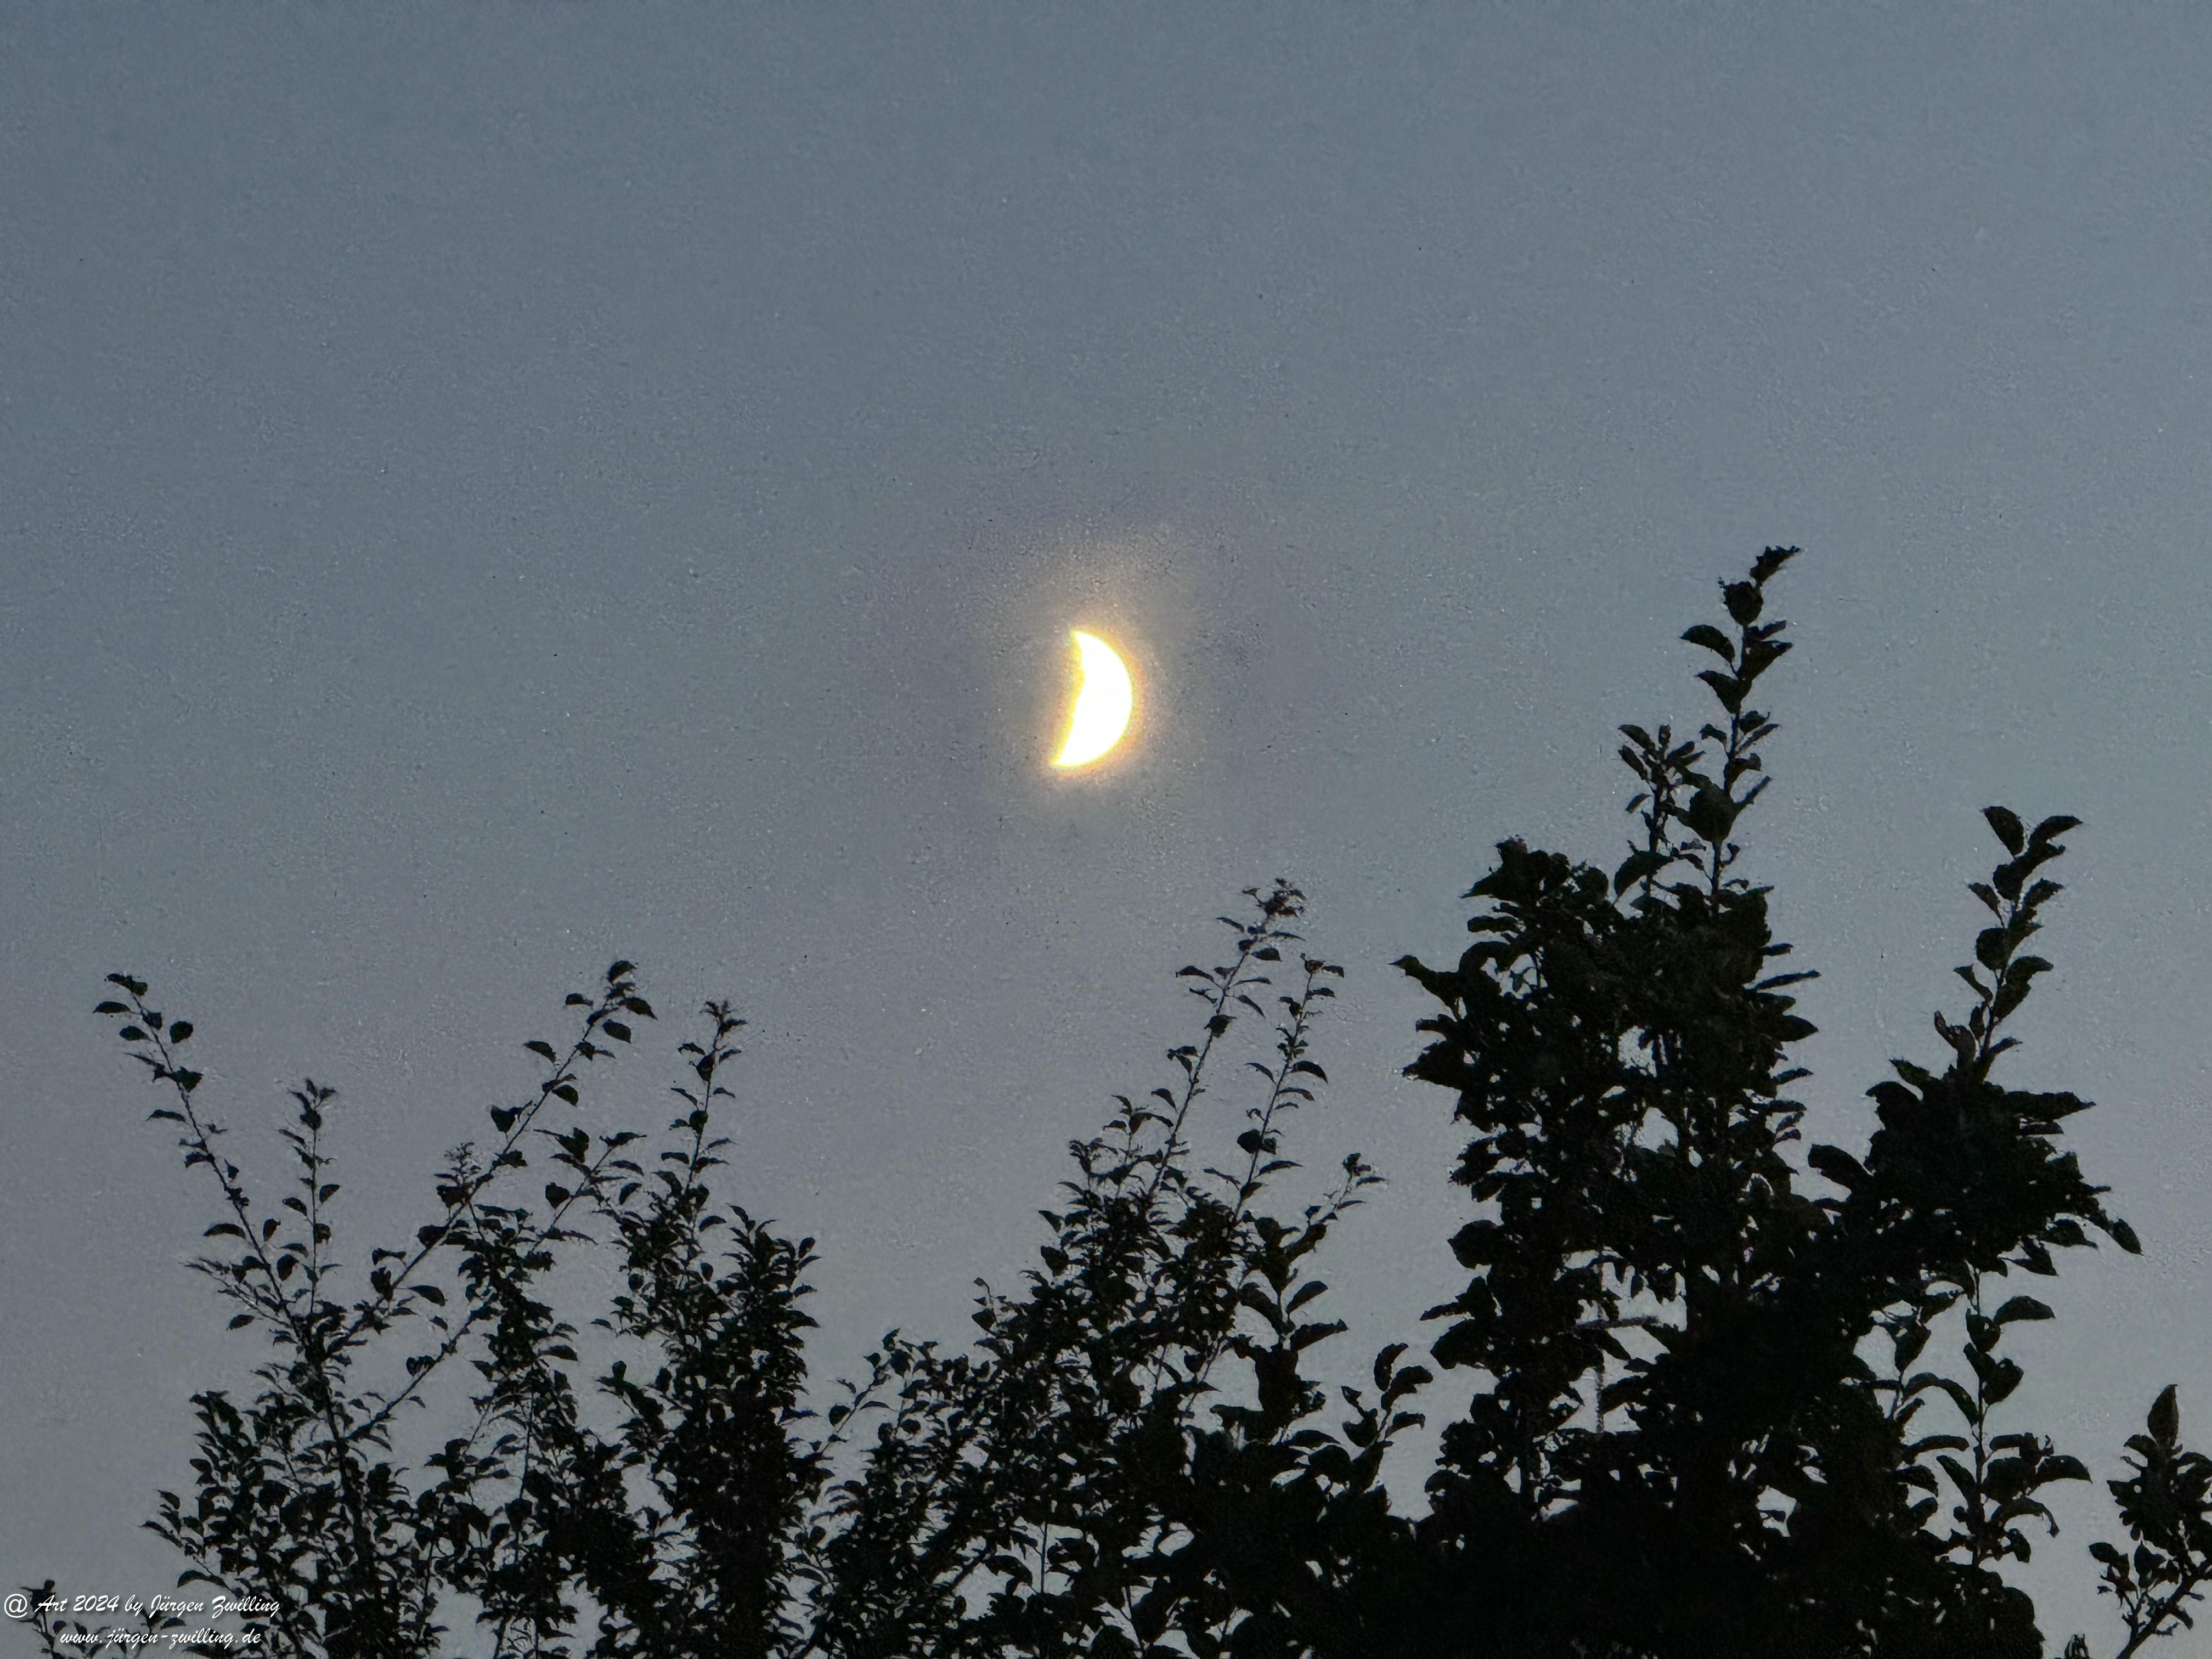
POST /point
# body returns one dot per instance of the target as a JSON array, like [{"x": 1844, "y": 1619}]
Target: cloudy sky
[{"x": 486, "y": 491}]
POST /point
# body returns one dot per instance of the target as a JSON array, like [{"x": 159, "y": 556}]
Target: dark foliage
[{"x": 1704, "y": 1418}]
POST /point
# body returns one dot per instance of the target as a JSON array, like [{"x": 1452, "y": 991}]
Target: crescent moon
[{"x": 1103, "y": 703}]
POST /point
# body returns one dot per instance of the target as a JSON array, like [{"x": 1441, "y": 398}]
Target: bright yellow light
[{"x": 1102, "y": 702}]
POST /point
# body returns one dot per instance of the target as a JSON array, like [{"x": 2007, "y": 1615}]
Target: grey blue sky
[{"x": 485, "y": 489}]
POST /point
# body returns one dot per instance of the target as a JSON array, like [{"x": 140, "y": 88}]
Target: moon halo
[{"x": 1103, "y": 703}]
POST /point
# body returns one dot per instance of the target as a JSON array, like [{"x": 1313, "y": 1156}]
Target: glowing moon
[{"x": 1102, "y": 704}]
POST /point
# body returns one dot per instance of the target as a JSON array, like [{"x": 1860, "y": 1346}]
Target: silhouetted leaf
[
  {"x": 2050, "y": 830},
  {"x": 1771, "y": 561},
  {"x": 2165, "y": 1419},
  {"x": 1713, "y": 640},
  {"x": 1726, "y": 687}
]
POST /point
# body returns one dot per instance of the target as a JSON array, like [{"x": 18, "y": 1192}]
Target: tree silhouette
[
  {"x": 1703, "y": 1418},
  {"x": 1699, "y": 1426}
]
